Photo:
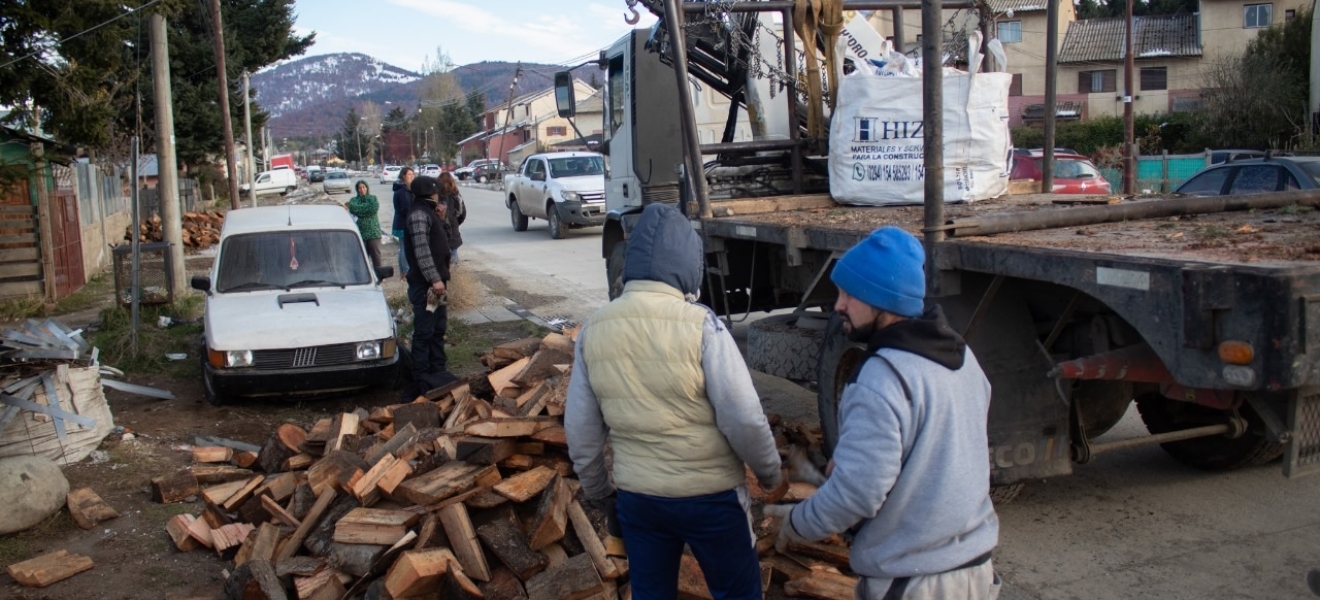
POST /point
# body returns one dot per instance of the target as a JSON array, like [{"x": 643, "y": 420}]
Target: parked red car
[{"x": 1073, "y": 173}]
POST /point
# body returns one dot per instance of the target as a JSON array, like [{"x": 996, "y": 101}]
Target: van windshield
[{"x": 291, "y": 259}]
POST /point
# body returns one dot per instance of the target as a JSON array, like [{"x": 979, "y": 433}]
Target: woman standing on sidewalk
[
  {"x": 457, "y": 212},
  {"x": 403, "y": 200},
  {"x": 364, "y": 207}
]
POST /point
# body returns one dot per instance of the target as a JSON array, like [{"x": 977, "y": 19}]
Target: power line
[{"x": 85, "y": 31}]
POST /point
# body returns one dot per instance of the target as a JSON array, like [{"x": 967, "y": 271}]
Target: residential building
[{"x": 529, "y": 123}]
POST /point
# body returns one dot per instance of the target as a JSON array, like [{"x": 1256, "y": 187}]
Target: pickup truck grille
[
  {"x": 297, "y": 358},
  {"x": 592, "y": 197}
]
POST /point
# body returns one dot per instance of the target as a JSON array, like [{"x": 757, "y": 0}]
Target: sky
[{"x": 406, "y": 33}]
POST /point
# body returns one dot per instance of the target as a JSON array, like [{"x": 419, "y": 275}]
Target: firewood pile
[
  {"x": 465, "y": 493},
  {"x": 200, "y": 229}
]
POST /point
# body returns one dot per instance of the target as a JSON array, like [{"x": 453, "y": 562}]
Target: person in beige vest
[{"x": 659, "y": 378}]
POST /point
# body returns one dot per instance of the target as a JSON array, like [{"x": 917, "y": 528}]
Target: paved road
[{"x": 1133, "y": 524}]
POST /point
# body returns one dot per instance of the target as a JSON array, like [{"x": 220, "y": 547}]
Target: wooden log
[
  {"x": 509, "y": 544},
  {"x": 484, "y": 451},
  {"x": 374, "y": 526},
  {"x": 212, "y": 454},
  {"x": 200, "y": 531},
  {"x": 229, "y": 536},
  {"x": 281, "y": 446},
  {"x": 785, "y": 568},
  {"x": 558, "y": 341},
  {"x": 177, "y": 527},
  {"x": 218, "y": 493},
  {"x": 525, "y": 486},
  {"x": 556, "y": 554},
  {"x": 541, "y": 367},
  {"x": 420, "y": 415},
  {"x": 364, "y": 488},
  {"x": 691, "y": 581},
  {"x": 503, "y": 585},
  {"x": 278, "y": 486},
  {"x": 278, "y": 513},
  {"x": 418, "y": 572},
  {"x": 354, "y": 559},
  {"x": 403, "y": 436},
  {"x": 343, "y": 425},
  {"x": 530, "y": 448},
  {"x": 551, "y": 520},
  {"x": 299, "y": 462},
  {"x": 335, "y": 470},
  {"x": 243, "y": 493},
  {"x": 822, "y": 585},
  {"x": 457, "y": 586},
  {"x": 798, "y": 491},
  {"x": 321, "y": 539},
  {"x": 213, "y": 474},
  {"x": 574, "y": 580},
  {"x": 254, "y": 511},
  {"x": 324, "y": 584},
  {"x": 299, "y": 566},
  {"x": 502, "y": 379},
  {"x": 175, "y": 487},
  {"x": 510, "y": 427},
  {"x": 553, "y": 436},
  {"x": 87, "y": 508},
  {"x": 448, "y": 480},
  {"x": 428, "y": 532},
  {"x": 302, "y": 501},
  {"x": 834, "y": 554},
  {"x": 264, "y": 543},
  {"x": 245, "y": 458},
  {"x": 463, "y": 541},
  {"x": 295, "y": 541},
  {"x": 484, "y": 499},
  {"x": 591, "y": 543},
  {"x": 255, "y": 580},
  {"x": 517, "y": 349}
]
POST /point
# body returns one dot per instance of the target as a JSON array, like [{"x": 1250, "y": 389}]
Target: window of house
[
  {"x": 556, "y": 131},
  {"x": 1257, "y": 15},
  {"x": 1289, "y": 14},
  {"x": 1010, "y": 31},
  {"x": 1094, "y": 82},
  {"x": 1154, "y": 78},
  {"x": 1015, "y": 88}
]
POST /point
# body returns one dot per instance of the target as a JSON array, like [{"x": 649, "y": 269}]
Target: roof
[
  {"x": 1018, "y": 6},
  {"x": 1153, "y": 37},
  {"x": 276, "y": 218}
]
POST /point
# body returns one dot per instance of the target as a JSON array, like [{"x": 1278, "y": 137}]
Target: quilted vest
[{"x": 643, "y": 355}]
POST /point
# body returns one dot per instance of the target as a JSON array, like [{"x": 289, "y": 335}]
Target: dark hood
[
  {"x": 398, "y": 185},
  {"x": 928, "y": 336},
  {"x": 663, "y": 247}
]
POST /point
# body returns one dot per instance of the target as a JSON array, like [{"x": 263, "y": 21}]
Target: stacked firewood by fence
[
  {"x": 465, "y": 493},
  {"x": 200, "y": 229}
]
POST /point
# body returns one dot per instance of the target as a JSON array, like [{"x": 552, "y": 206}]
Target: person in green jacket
[{"x": 363, "y": 207}]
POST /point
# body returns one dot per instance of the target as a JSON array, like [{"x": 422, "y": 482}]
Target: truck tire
[
  {"x": 838, "y": 358},
  {"x": 515, "y": 215},
  {"x": 558, "y": 228},
  {"x": 1215, "y": 453},
  {"x": 778, "y": 346},
  {"x": 614, "y": 268}
]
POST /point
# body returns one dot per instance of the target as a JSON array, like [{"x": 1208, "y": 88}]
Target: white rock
[{"x": 31, "y": 489}]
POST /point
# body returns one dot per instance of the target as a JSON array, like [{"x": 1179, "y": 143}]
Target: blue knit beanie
[{"x": 885, "y": 271}]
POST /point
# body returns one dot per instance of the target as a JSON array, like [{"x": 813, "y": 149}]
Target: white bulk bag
[{"x": 876, "y": 137}]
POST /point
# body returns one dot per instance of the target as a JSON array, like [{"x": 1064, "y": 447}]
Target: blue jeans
[
  {"x": 403, "y": 254},
  {"x": 715, "y": 526},
  {"x": 428, "y": 342}
]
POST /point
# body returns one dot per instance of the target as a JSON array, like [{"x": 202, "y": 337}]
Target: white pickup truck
[{"x": 567, "y": 189}]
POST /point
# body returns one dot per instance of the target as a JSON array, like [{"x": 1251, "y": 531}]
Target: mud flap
[{"x": 1302, "y": 454}]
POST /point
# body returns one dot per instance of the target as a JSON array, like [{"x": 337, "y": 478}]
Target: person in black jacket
[
  {"x": 457, "y": 212},
  {"x": 403, "y": 200},
  {"x": 426, "y": 244}
]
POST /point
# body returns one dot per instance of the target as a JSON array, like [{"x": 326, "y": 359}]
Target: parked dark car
[
  {"x": 315, "y": 175},
  {"x": 1073, "y": 173},
  {"x": 487, "y": 173},
  {"x": 1255, "y": 176}
]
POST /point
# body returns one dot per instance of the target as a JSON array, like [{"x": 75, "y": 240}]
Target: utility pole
[
  {"x": 1051, "y": 93},
  {"x": 223, "y": 77},
  {"x": 167, "y": 167},
  {"x": 1313, "y": 115},
  {"x": 247, "y": 119},
  {"x": 1129, "y": 122},
  {"x": 932, "y": 115},
  {"x": 508, "y": 113}
]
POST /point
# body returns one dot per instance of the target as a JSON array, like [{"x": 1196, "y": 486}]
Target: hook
[{"x": 632, "y": 20}]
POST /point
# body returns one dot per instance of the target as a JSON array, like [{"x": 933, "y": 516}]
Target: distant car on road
[
  {"x": 390, "y": 173},
  {"x": 337, "y": 181},
  {"x": 315, "y": 174},
  {"x": 1255, "y": 176},
  {"x": 430, "y": 170},
  {"x": 466, "y": 171},
  {"x": 279, "y": 181},
  {"x": 1073, "y": 173},
  {"x": 487, "y": 173},
  {"x": 293, "y": 307}
]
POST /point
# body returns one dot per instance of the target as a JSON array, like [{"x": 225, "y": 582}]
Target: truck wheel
[
  {"x": 838, "y": 359},
  {"x": 515, "y": 214},
  {"x": 779, "y": 345},
  {"x": 1103, "y": 404},
  {"x": 614, "y": 268},
  {"x": 558, "y": 228},
  {"x": 1215, "y": 453}
]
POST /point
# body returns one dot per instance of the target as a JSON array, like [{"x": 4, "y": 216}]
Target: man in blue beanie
[
  {"x": 660, "y": 378},
  {"x": 910, "y": 469}
]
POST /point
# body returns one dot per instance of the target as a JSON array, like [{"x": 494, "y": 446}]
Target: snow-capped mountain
[{"x": 295, "y": 85}]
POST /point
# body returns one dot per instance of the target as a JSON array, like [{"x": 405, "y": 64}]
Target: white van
[{"x": 279, "y": 181}]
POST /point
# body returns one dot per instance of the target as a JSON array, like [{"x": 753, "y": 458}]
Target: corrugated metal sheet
[
  {"x": 1095, "y": 40},
  {"x": 1017, "y": 6}
]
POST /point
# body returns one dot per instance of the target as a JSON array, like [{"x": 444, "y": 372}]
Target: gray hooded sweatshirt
[{"x": 663, "y": 248}]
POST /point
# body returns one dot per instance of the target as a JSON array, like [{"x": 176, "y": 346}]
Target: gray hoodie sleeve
[
  {"x": 585, "y": 429},
  {"x": 872, "y": 416},
  {"x": 738, "y": 413}
]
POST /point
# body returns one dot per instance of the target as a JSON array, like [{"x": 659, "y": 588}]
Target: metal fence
[
  {"x": 99, "y": 194},
  {"x": 1160, "y": 174},
  {"x": 189, "y": 198}
]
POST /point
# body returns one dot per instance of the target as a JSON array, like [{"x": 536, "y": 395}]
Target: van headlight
[
  {"x": 572, "y": 196},
  {"x": 368, "y": 350},
  {"x": 238, "y": 358}
]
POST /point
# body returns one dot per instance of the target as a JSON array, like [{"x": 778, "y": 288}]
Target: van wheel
[
  {"x": 288, "y": 190},
  {"x": 516, "y": 215},
  {"x": 558, "y": 228}
]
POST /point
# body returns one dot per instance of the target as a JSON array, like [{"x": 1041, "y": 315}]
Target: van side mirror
[
  {"x": 383, "y": 273},
  {"x": 201, "y": 283},
  {"x": 564, "y": 94}
]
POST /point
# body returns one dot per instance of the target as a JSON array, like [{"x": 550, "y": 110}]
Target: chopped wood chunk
[
  {"x": 448, "y": 480},
  {"x": 463, "y": 541},
  {"x": 229, "y": 536},
  {"x": 280, "y": 447},
  {"x": 558, "y": 341},
  {"x": 218, "y": 493},
  {"x": 509, "y": 544},
  {"x": 525, "y": 486},
  {"x": 457, "y": 586},
  {"x": 503, "y": 585},
  {"x": 323, "y": 501},
  {"x": 212, "y": 454},
  {"x": 834, "y": 554},
  {"x": 586, "y": 534},
  {"x": 49, "y": 568},
  {"x": 417, "y": 572},
  {"x": 245, "y": 458},
  {"x": 177, "y": 527},
  {"x": 541, "y": 367},
  {"x": 373, "y": 526},
  {"x": 822, "y": 585},
  {"x": 485, "y": 451},
  {"x": 419, "y": 415},
  {"x": 517, "y": 349},
  {"x": 509, "y": 427},
  {"x": 87, "y": 508},
  {"x": 553, "y": 436},
  {"x": 211, "y": 474},
  {"x": 574, "y": 580},
  {"x": 243, "y": 493},
  {"x": 501, "y": 380},
  {"x": 173, "y": 488},
  {"x": 335, "y": 470},
  {"x": 321, "y": 585},
  {"x": 551, "y": 519}
]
